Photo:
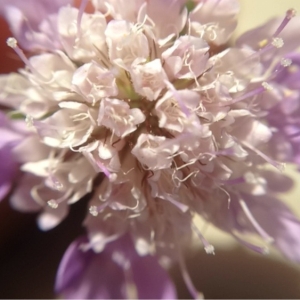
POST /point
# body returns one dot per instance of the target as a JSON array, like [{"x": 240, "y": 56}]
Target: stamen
[
  {"x": 29, "y": 121},
  {"x": 209, "y": 249},
  {"x": 34, "y": 193},
  {"x": 255, "y": 224},
  {"x": 98, "y": 165},
  {"x": 262, "y": 250},
  {"x": 186, "y": 277},
  {"x": 291, "y": 13},
  {"x": 277, "y": 165},
  {"x": 12, "y": 42},
  {"x": 53, "y": 203},
  {"x": 82, "y": 7},
  {"x": 257, "y": 91},
  {"x": 184, "y": 208},
  {"x": 176, "y": 95},
  {"x": 95, "y": 210}
]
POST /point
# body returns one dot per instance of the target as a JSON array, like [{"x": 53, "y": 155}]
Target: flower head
[{"x": 143, "y": 110}]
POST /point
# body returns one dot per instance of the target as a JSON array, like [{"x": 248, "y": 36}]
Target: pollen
[
  {"x": 11, "y": 42},
  {"x": 286, "y": 62},
  {"x": 267, "y": 86},
  {"x": 291, "y": 13},
  {"x": 263, "y": 43},
  {"x": 53, "y": 204},
  {"x": 93, "y": 211},
  {"x": 277, "y": 42}
]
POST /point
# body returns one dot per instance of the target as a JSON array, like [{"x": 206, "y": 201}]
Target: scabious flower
[{"x": 137, "y": 104}]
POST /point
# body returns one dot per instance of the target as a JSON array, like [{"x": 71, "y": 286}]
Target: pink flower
[{"x": 133, "y": 105}]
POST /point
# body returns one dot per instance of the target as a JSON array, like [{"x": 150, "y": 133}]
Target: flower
[{"x": 144, "y": 111}]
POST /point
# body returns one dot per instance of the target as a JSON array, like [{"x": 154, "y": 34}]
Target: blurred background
[{"x": 29, "y": 258}]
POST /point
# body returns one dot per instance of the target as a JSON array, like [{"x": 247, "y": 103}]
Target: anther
[
  {"x": 210, "y": 249},
  {"x": 94, "y": 211},
  {"x": 277, "y": 42},
  {"x": 29, "y": 121},
  {"x": 267, "y": 86},
  {"x": 53, "y": 204},
  {"x": 289, "y": 15},
  {"x": 286, "y": 62},
  {"x": 11, "y": 42},
  {"x": 58, "y": 185}
]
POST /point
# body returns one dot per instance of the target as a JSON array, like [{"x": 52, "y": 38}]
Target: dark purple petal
[
  {"x": 151, "y": 280},
  {"x": 85, "y": 274},
  {"x": 4, "y": 189}
]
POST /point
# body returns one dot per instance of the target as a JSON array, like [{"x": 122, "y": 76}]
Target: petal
[
  {"x": 290, "y": 35},
  {"x": 280, "y": 223},
  {"x": 151, "y": 280},
  {"x": 4, "y": 189},
  {"x": 23, "y": 19},
  {"x": 21, "y": 199},
  {"x": 50, "y": 217},
  {"x": 87, "y": 275}
]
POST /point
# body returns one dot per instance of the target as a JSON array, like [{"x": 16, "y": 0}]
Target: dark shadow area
[
  {"x": 238, "y": 274},
  {"x": 29, "y": 258}
]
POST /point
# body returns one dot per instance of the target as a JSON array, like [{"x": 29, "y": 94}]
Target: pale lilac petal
[
  {"x": 256, "y": 38},
  {"x": 21, "y": 199},
  {"x": 218, "y": 17},
  {"x": 25, "y": 18},
  {"x": 51, "y": 217},
  {"x": 170, "y": 24},
  {"x": 280, "y": 223}
]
